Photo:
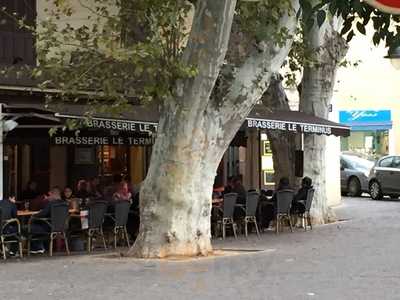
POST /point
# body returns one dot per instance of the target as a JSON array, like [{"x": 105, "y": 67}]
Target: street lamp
[{"x": 394, "y": 56}]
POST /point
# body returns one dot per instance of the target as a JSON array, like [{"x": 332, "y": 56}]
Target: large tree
[
  {"x": 137, "y": 52},
  {"x": 169, "y": 53}
]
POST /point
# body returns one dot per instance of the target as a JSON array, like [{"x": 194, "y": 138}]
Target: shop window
[{"x": 17, "y": 45}]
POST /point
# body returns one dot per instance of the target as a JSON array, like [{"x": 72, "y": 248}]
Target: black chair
[
  {"x": 57, "y": 223},
  {"x": 250, "y": 211},
  {"x": 9, "y": 238},
  {"x": 97, "y": 211},
  {"x": 284, "y": 200},
  {"x": 227, "y": 213},
  {"x": 306, "y": 216},
  {"x": 121, "y": 219}
]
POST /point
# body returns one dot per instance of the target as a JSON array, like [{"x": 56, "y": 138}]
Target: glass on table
[{"x": 26, "y": 205}]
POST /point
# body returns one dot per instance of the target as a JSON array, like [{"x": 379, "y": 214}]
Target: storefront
[
  {"x": 101, "y": 148},
  {"x": 370, "y": 132},
  {"x": 109, "y": 145}
]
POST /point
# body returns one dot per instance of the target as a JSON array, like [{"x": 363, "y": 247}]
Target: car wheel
[
  {"x": 375, "y": 190},
  {"x": 354, "y": 187}
]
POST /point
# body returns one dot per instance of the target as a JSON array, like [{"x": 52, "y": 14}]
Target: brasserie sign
[
  {"x": 103, "y": 140},
  {"x": 289, "y": 126},
  {"x": 121, "y": 125}
]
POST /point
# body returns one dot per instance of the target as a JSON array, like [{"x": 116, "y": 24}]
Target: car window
[
  {"x": 396, "y": 162},
  {"x": 344, "y": 164},
  {"x": 386, "y": 162}
]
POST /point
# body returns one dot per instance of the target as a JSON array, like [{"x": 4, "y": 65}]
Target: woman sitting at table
[
  {"x": 122, "y": 193},
  {"x": 69, "y": 197}
]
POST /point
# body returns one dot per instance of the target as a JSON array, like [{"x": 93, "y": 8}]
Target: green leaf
[
  {"x": 350, "y": 36},
  {"x": 361, "y": 28}
]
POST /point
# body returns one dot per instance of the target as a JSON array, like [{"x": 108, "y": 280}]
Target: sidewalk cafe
[{"x": 99, "y": 169}]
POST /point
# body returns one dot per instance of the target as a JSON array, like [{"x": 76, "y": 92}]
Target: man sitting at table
[
  {"x": 9, "y": 211},
  {"x": 38, "y": 228}
]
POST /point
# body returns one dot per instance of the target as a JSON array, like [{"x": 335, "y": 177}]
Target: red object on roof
[{"x": 389, "y": 6}]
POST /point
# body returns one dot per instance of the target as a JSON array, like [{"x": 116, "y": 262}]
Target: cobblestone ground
[{"x": 354, "y": 259}]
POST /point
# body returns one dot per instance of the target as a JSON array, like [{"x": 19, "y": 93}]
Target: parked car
[
  {"x": 384, "y": 178},
  {"x": 354, "y": 172}
]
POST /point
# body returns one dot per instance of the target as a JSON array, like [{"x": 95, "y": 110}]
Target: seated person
[
  {"x": 268, "y": 211},
  {"x": 31, "y": 191},
  {"x": 82, "y": 190},
  {"x": 38, "y": 228},
  {"x": 298, "y": 204},
  {"x": 240, "y": 190},
  {"x": 122, "y": 193},
  {"x": 229, "y": 186},
  {"x": 9, "y": 211},
  {"x": 69, "y": 197}
]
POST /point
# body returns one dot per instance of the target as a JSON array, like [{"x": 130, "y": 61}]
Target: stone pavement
[{"x": 353, "y": 259}]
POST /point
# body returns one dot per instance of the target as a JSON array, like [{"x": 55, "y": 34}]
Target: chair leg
[
  {"x": 51, "y": 245},
  {"x": 304, "y": 221},
  {"x": 66, "y": 243},
  {"x": 115, "y": 237},
  {"x": 309, "y": 220},
  {"x": 245, "y": 228},
  {"x": 89, "y": 246},
  {"x": 290, "y": 223},
  {"x": 277, "y": 225},
  {"x": 234, "y": 229},
  {"x": 3, "y": 248},
  {"x": 258, "y": 232},
  {"x": 127, "y": 236},
  {"x": 223, "y": 230},
  {"x": 28, "y": 247},
  {"x": 20, "y": 248},
  {"x": 104, "y": 239}
]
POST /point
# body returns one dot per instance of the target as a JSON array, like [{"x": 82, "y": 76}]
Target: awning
[
  {"x": 294, "y": 121},
  {"x": 144, "y": 119}
]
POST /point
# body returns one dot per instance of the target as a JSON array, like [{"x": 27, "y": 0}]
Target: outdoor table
[{"x": 28, "y": 213}]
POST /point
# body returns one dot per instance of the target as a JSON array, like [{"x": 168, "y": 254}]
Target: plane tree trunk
[
  {"x": 328, "y": 49},
  {"x": 194, "y": 132},
  {"x": 283, "y": 144}
]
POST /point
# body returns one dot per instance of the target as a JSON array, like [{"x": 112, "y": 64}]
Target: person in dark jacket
[
  {"x": 9, "y": 211},
  {"x": 269, "y": 209},
  {"x": 31, "y": 191},
  {"x": 240, "y": 190},
  {"x": 298, "y": 204},
  {"x": 38, "y": 228}
]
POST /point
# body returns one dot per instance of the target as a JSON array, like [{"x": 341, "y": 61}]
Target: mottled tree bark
[
  {"x": 194, "y": 132},
  {"x": 328, "y": 48},
  {"x": 283, "y": 144}
]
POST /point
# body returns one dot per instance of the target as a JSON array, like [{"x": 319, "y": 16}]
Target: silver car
[
  {"x": 384, "y": 178},
  {"x": 354, "y": 172}
]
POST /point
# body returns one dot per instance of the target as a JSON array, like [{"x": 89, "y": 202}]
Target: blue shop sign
[{"x": 363, "y": 120}]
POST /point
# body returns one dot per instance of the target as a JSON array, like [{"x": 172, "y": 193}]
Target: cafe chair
[
  {"x": 284, "y": 200},
  {"x": 306, "y": 216},
  {"x": 227, "y": 214},
  {"x": 121, "y": 218},
  {"x": 58, "y": 224},
  {"x": 8, "y": 236},
  {"x": 250, "y": 211},
  {"x": 97, "y": 211}
]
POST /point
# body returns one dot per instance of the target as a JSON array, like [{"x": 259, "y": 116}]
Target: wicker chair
[
  {"x": 97, "y": 211},
  {"x": 284, "y": 201},
  {"x": 227, "y": 214},
  {"x": 121, "y": 218},
  {"x": 9, "y": 238}
]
